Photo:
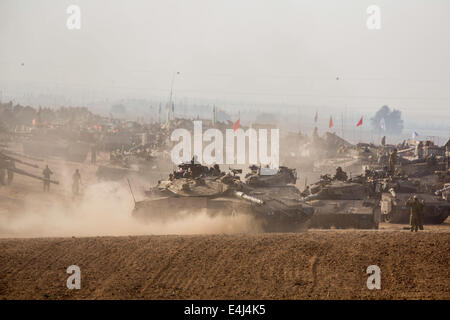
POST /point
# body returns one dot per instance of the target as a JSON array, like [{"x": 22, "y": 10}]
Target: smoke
[{"x": 106, "y": 210}]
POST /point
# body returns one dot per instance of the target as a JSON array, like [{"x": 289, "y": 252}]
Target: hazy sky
[{"x": 255, "y": 51}]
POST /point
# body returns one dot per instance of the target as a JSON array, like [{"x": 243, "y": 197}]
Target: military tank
[
  {"x": 340, "y": 203},
  {"x": 126, "y": 164},
  {"x": 274, "y": 203},
  {"x": 394, "y": 209},
  {"x": 394, "y": 190}
]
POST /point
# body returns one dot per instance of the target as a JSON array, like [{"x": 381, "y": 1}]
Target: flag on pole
[
  {"x": 382, "y": 124},
  {"x": 331, "y": 122},
  {"x": 236, "y": 125},
  {"x": 168, "y": 112},
  {"x": 415, "y": 134},
  {"x": 316, "y": 117},
  {"x": 360, "y": 122},
  {"x": 159, "y": 113}
]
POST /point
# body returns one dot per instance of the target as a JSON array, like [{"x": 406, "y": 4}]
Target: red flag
[
  {"x": 360, "y": 122},
  {"x": 33, "y": 122},
  {"x": 331, "y": 122},
  {"x": 236, "y": 125}
]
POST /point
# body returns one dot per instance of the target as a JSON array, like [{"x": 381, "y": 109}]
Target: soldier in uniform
[
  {"x": 76, "y": 180},
  {"x": 47, "y": 173},
  {"x": 2, "y": 176},
  {"x": 421, "y": 209},
  {"x": 392, "y": 161},
  {"x": 93, "y": 154},
  {"x": 340, "y": 175},
  {"x": 416, "y": 208},
  {"x": 10, "y": 173}
]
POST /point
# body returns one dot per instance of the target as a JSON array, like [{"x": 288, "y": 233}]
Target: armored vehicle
[
  {"x": 394, "y": 209},
  {"x": 195, "y": 188},
  {"x": 342, "y": 204}
]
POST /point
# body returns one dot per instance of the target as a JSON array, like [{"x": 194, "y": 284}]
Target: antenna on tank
[{"x": 131, "y": 190}]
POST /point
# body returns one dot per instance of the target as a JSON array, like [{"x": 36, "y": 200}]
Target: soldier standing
[
  {"x": 10, "y": 172},
  {"x": 93, "y": 154},
  {"x": 76, "y": 180},
  {"x": 421, "y": 209},
  {"x": 340, "y": 175},
  {"x": 46, "y": 173},
  {"x": 392, "y": 161},
  {"x": 415, "y": 208}
]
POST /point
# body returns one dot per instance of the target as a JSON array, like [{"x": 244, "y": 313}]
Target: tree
[{"x": 387, "y": 120}]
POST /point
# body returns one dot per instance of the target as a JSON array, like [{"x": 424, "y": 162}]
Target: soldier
[
  {"x": 415, "y": 208},
  {"x": 46, "y": 173},
  {"x": 216, "y": 170},
  {"x": 421, "y": 208},
  {"x": 392, "y": 161},
  {"x": 340, "y": 175},
  {"x": 76, "y": 178},
  {"x": 2, "y": 176},
  {"x": 10, "y": 173},
  {"x": 93, "y": 154},
  {"x": 419, "y": 150}
]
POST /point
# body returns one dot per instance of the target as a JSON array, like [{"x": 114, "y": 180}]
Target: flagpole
[{"x": 171, "y": 91}]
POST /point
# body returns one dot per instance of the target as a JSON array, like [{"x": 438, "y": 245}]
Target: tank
[
  {"x": 394, "y": 209},
  {"x": 111, "y": 172},
  {"x": 275, "y": 204},
  {"x": 122, "y": 165},
  {"x": 417, "y": 178},
  {"x": 342, "y": 204}
]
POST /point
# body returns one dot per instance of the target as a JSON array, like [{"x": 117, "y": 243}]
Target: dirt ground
[
  {"x": 41, "y": 234},
  {"x": 312, "y": 265}
]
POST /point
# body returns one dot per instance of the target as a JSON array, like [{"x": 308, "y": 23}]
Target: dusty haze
[{"x": 232, "y": 52}]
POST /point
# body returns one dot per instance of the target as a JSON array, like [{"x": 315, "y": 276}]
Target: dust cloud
[{"x": 106, "y": 210}]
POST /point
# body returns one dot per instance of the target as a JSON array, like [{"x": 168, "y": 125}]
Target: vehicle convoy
[
  {"x": 273, "y": 201},
  {"x": 8, "y": 169}
]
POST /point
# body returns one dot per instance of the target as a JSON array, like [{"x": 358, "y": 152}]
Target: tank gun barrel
[
  {"x": 309, "y": 197},
  {"x": 392, "y": 192},
  {"x": 442, "y": 190},
  {"x": 5, "y": 157},
  {"x": 22, "y": 172},
  {"x": 249, "y": 198},
  {"x": 9, "y": 152},
  {"x": 406, "y": 150}
]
